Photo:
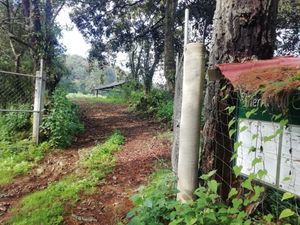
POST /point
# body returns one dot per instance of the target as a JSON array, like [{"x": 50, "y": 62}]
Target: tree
[
  {"x": 169, "y": 53},
  {"x": 134, "y": 27},
  {"x": 288, "y": 28},
  {"x": 243, "y": 30},
  {"x": 29, "y": 27}
]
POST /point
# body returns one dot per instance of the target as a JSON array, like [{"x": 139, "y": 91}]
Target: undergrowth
[
  {"x": 15, "y": 126},
  {"x": 161, "y": 207},
  {"x": 18, "y": 158},
  {"x": 47, "y": 206},
  {"x": 61, "y": 121}
]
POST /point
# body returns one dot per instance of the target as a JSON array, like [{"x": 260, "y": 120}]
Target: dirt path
[{"x": 134, "y": 164}]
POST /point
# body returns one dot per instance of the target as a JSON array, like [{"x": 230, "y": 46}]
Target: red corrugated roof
[{"x": 235, "y": 72}]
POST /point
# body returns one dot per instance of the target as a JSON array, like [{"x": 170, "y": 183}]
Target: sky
[
  {"x": 72, "y": 39},
  {"x": 75, "y": 44}
]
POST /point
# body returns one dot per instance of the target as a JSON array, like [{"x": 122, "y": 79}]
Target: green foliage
[
  {"x": 18, "y": 158},
  {"x": 47, "y": 206},
  {"x": 84, "y": 76},
  {"x": 157, "y": 103},
  {"x": 62, "y": 121},
  {"x": 15, "y": 125},
  {"x": 153, "y": 206},
  {"x": 161, "y": 207},
  {"x": 93, "y": 99}
]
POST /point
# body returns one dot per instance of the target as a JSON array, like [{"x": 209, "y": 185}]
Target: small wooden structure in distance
[{"x": 108, "y": 86}]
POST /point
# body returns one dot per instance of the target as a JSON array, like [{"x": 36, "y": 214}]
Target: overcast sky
[
  {"x": 75, "y": 44},
  {"x": 72, "y": 39}
]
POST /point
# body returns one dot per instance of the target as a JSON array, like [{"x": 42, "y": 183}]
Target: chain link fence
[
  {"x": 256, "y": 154},
  {"x": 21, "y": 97},
  {"x": 16, "y": 92}
]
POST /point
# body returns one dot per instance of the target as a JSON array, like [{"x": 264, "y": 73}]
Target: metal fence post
[{"x": 38, "y": 103}]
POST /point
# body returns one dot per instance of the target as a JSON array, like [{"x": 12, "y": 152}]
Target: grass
[
  {"x": 47, "y": 206},
  {"x": 18, "y": 158},
  {"x": 114, "y": 98}
]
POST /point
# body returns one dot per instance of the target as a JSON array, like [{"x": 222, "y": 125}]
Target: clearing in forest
[{"x": 107, "y": 202}]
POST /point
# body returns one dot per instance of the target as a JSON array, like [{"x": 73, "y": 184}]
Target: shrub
[
  {"x": 62, "y": 121},
  {"x": 161, "y": 207},
  {"x": 15, "y": 125},
  {"x": 165, "y": 112},
  {"x": 157, "y": 103}
]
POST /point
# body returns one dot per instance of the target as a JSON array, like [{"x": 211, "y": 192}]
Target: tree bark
[
  {"x": 169, "y": 57},
  {"x": 243, "y": 30}
]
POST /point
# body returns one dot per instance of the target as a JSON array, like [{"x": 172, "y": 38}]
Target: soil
[{"x": 135, "y": 162}]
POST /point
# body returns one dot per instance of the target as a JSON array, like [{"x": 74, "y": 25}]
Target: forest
[{"x": 202, "y": 126}]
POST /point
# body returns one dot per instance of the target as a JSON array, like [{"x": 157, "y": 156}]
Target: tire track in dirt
[{"x": 134, "y": 164}]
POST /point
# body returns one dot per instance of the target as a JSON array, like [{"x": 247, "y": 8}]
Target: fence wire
[
  {"x": 16, "y": 92},
  {"x": 256, "y": 146}
]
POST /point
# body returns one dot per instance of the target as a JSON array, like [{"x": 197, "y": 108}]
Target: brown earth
[{"x": 135, "y": 162}]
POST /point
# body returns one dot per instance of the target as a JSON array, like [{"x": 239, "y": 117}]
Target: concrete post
[
  {"x": 189, "y": 139},
  {"x": 38, "y": 103}
]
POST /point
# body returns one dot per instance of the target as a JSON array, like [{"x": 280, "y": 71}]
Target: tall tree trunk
[
  {"x": 169, "y": 57},
  {"x": 243, "y": 30}
]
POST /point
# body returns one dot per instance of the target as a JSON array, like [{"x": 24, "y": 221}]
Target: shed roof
[
  {"x": 277, "y": 76},
  {"x": 109, "y": 86}
]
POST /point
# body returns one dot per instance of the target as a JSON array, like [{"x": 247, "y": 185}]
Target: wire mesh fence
[
  {"x": 21, "y": 95},
  {"x": 16, "y": 92},
  {"x": 255, "y": 151}
]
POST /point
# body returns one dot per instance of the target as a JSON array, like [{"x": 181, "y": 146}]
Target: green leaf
[
  {"x": 247, "y": 184},
  {"x": 252, "y": 149},
  {"x": 208, "y": 175},
  {"x": 287, "y": 195},
  {"x": 276, "y": 117},
  {"x": 286, "y": 179},
  {"x": 237, "y": 145},
  {"x": 269, "y": 138},
  {"x": 256, "y": 161},
  {"x": 243, "y": 128},
  {"x": 234, "y": 156},
  {"x": 261, "y": 173},
  {"x": 213, "y": 186},
  {"x": 231, "y": 132},
  {"x": 286, "y": 213},
  {"x": 230, "y": 109},
  {"x": 225, "y": 97},
  {"x": 231, "y": 122},
  {"x": 223, "y": 88},
  {"x": 251, "y": 112},
  {"x": 283, "y": 123},
  {"x": 148, "y": 203},
  {"x": 268, "y": 218},
  {"x": 192, "y": 221},
  {"x": 237, "y": 170},
  {"x": 254, "y": 136},
  {"x": 232, "y": 192},
  {"x": 236, "y": 203}
]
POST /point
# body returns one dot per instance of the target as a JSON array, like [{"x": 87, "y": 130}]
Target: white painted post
[
  {"x": 189, "y": 139},
  {"x": 38, "y": 103}
]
